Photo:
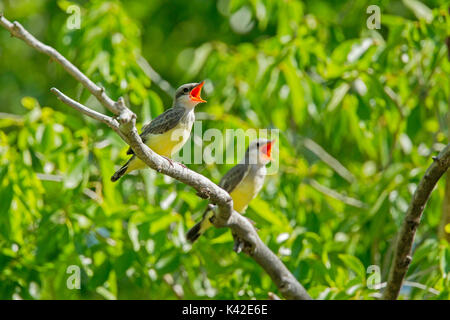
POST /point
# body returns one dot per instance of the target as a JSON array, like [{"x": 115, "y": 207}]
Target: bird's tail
[
  {"x": 119, "y": 173},
  {"x": 196, "y": 231}
]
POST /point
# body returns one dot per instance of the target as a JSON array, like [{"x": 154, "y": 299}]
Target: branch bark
[
  {"x": 123, "y": 123},
  {"x": 402, "y": 256}
]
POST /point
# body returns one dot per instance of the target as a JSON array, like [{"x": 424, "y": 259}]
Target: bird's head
[
  {"x": 188, "y": 95},
  {"x": 260, "y": 151}
]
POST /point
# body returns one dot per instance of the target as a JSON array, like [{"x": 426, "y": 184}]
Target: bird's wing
[
  {"x": 162, "y": 123},
  {"x": 234, "y": 176}
]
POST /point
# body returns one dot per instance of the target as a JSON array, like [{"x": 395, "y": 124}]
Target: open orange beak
[
  {"x": 266, "y": 149},
  {"x": 195, "y": 93}
]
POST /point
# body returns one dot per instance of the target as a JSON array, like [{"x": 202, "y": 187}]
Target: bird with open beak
[
  {"x": 243, "y": 182},
  {"x": 168, "y": 132}
]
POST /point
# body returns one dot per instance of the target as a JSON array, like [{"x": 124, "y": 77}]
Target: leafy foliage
[{"x": 360, "y": 114}]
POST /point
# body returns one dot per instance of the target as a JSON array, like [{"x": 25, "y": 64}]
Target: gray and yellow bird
[
  {"x": 168, "y": 132},
  {"x": 243, "y": 182}
]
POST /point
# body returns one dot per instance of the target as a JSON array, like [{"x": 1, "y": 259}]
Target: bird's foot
[{"x": 171, "y": 162}]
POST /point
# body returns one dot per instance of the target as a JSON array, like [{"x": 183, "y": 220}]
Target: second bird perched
[
  {"x": 243, "y": 182},
  {"x": 168, "y": 132}
]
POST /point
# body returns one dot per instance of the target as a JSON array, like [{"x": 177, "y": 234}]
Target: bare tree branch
[
  {"x": 124, "y": 124},
  {"x": 83, "y": 109},
  {"x": 402, "y": 256}
]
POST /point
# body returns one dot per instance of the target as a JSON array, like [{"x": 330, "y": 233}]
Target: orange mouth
[
  {"x": 195, "y": 93},
  {"x": 267, "y": 149}
]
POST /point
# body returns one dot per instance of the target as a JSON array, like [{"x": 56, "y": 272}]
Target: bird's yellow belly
[
  {"x": 242, "y": 195},
  {"x": 165, "y": 144},
  {"x": 170, "y": 142}
]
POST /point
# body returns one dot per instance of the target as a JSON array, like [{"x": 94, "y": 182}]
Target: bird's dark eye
[
  {"x": 257, "y": 144},
  {"x": 185, "y": 89}
]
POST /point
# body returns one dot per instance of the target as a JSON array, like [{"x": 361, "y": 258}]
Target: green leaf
[
  {"x": 263, "y": 210},
  {"x": 293, "y": 79},
  {"x": 338, "y": 94},
  {"x": 76, "y": 172},
  {"x": 354, "y": 264}
]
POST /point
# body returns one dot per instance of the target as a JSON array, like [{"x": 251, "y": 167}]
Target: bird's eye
[
  {"x": 257, "y": 144},
  {"x": 185, "y": 89}
]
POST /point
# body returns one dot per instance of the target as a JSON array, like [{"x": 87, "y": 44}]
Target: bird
[
  {"x": 243, "y": 182},
  {"x": 168, "y": 132}
]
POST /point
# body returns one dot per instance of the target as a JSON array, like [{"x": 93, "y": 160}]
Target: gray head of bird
[
  {"x": 188, "y": 95},
  {"x": 259, "y": 152}
]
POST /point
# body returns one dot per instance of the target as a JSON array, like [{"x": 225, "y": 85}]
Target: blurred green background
[{"x": 360, "y": 114}]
